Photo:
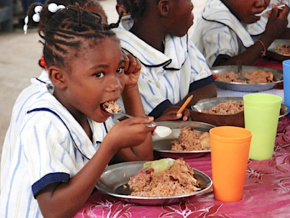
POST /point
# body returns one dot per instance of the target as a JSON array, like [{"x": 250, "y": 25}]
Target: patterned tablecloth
[{"x": 266, "y": 191}]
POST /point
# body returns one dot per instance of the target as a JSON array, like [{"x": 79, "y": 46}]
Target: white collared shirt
[
  {"x": 44, "y": 144},
  {"x": 166, "y": 78},
  {"x": 218, "y": 31}
]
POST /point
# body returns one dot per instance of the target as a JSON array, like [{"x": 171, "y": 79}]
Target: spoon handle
[
  {"x": 269, "y": 9},
  {"x": 123, "y": 116}
]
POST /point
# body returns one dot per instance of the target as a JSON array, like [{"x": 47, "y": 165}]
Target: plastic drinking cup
[
  {"x": 261, "y": 118},
  {"x": 286, "y": 81},
  {"x": 229, "y": 157}
]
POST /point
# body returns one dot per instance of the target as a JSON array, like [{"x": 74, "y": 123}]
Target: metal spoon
[
  {"x": 269, "y": 9},
  {"x": 239, "y": 69},
  {"x": 161, "y": 131}
]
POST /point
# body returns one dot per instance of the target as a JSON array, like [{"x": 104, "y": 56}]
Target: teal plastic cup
[{"x": 261, "y": 118}]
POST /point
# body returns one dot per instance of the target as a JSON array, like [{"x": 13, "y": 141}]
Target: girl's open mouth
[{"x": 111, "y": 107}]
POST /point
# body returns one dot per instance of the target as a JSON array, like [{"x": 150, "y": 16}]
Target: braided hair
[
  {"x": 67, "y": 31},
  {"x": 87, "y": 4}
]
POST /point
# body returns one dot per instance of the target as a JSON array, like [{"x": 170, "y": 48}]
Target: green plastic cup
[{"x": 261, "y": 118}]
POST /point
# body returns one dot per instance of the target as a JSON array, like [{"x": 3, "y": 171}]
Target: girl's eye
[
  {"x": 99, "y": 74},
  {"x": 120, "y": 70}
]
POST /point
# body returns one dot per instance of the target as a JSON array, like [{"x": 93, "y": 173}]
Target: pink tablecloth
[
  {"x": 269, "y": 63},
  {"x": 266, "y": 191}
]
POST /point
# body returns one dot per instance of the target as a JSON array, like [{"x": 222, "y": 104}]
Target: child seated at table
[
  {"x": 172, "y": 67},
  {"x": 60, "y": 138},
  {"x": 225, "y": 37}
]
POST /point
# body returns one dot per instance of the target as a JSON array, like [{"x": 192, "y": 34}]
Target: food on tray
[
  {"x": 226, "y": 108},
  {"x": 257, "y": 76},
  {"x": 165, "y": 177},
  {"x": 191, "y": 140},
  {"x": 112, "y": 107},
  {"x": 283, "y": 50}
]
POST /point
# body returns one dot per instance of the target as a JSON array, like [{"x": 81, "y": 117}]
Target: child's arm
[
  {"x": 64, "y": 200},
  {"x": 208, "y": 91},
  {"x": 131, "y": 96},
  {"x": 275, "y": 28},
  {"x": 286, "y": 34},
  {"x": 133, "y": 106}
]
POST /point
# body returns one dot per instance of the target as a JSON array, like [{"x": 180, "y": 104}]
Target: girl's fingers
[{"x": 127, "y": 62}]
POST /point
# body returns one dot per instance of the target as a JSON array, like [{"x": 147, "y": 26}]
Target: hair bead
[
  {"x": 25, "y": 27},
  {"x": 36, "y": 18},
  {"x": 52, "y": 7},
  {"x": 37, "y": 9},
  {"x": 60, "y": 7}
]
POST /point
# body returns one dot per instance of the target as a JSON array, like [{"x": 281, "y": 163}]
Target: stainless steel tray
[
  {"x": 245, "y": 87},
  {"x": 114, "y": 182},
  {"x": 162, "y": 146},
  {"x": 208, "y": 103}
]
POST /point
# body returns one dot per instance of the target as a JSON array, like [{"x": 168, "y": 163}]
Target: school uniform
[
  {"x": 166, "y": 78},
  {"x": 44, "y": 144},
  {"x": 218, "y": 33}
]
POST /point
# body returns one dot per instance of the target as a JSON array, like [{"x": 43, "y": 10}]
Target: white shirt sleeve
[
  {"x": 48, "y": 147},
  {"x": 219, "y": 40},
  {"x": 151, "y": 91}
]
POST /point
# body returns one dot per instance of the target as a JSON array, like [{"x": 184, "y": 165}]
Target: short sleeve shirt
[
  {"x": 219, "y": 32},
  {"x": 48, "y": 145},
  {"x": 166, "y": 78}
]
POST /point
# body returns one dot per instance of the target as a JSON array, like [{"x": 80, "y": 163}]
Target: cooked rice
[
  {"x": 283, "y": 50},
  {"x": 226, "y": 108},
  {"x": 191, "y": 140},
  {"x": 112, "y": 107},
  {"x": 228, "y": 77},
  {"x": 257, "y": 76},
  {"x": 177, "y": 180}
]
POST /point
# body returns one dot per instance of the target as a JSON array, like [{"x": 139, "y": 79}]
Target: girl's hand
[
  {"x": 274, "y": 6},
  {"x": 130, "y": 132},
  {"x": 171, "y": 114},
  {"x": 277, "y": 22},
  {"x": 132, "y": 69}
]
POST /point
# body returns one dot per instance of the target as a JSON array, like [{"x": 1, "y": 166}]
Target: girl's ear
[
  {"x": 163, "y": 6},
  {"x": 57, "y": 77},
  {"x": 121, "y": 9}
]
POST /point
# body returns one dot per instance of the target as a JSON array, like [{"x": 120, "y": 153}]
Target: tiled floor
[{"x": 19, "y": 56}]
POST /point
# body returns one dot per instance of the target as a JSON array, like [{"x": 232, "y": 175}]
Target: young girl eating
[{"x": 61, "y": 138}]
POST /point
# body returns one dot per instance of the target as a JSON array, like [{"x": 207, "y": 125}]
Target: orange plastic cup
[{"x": 229, "y": 157}]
